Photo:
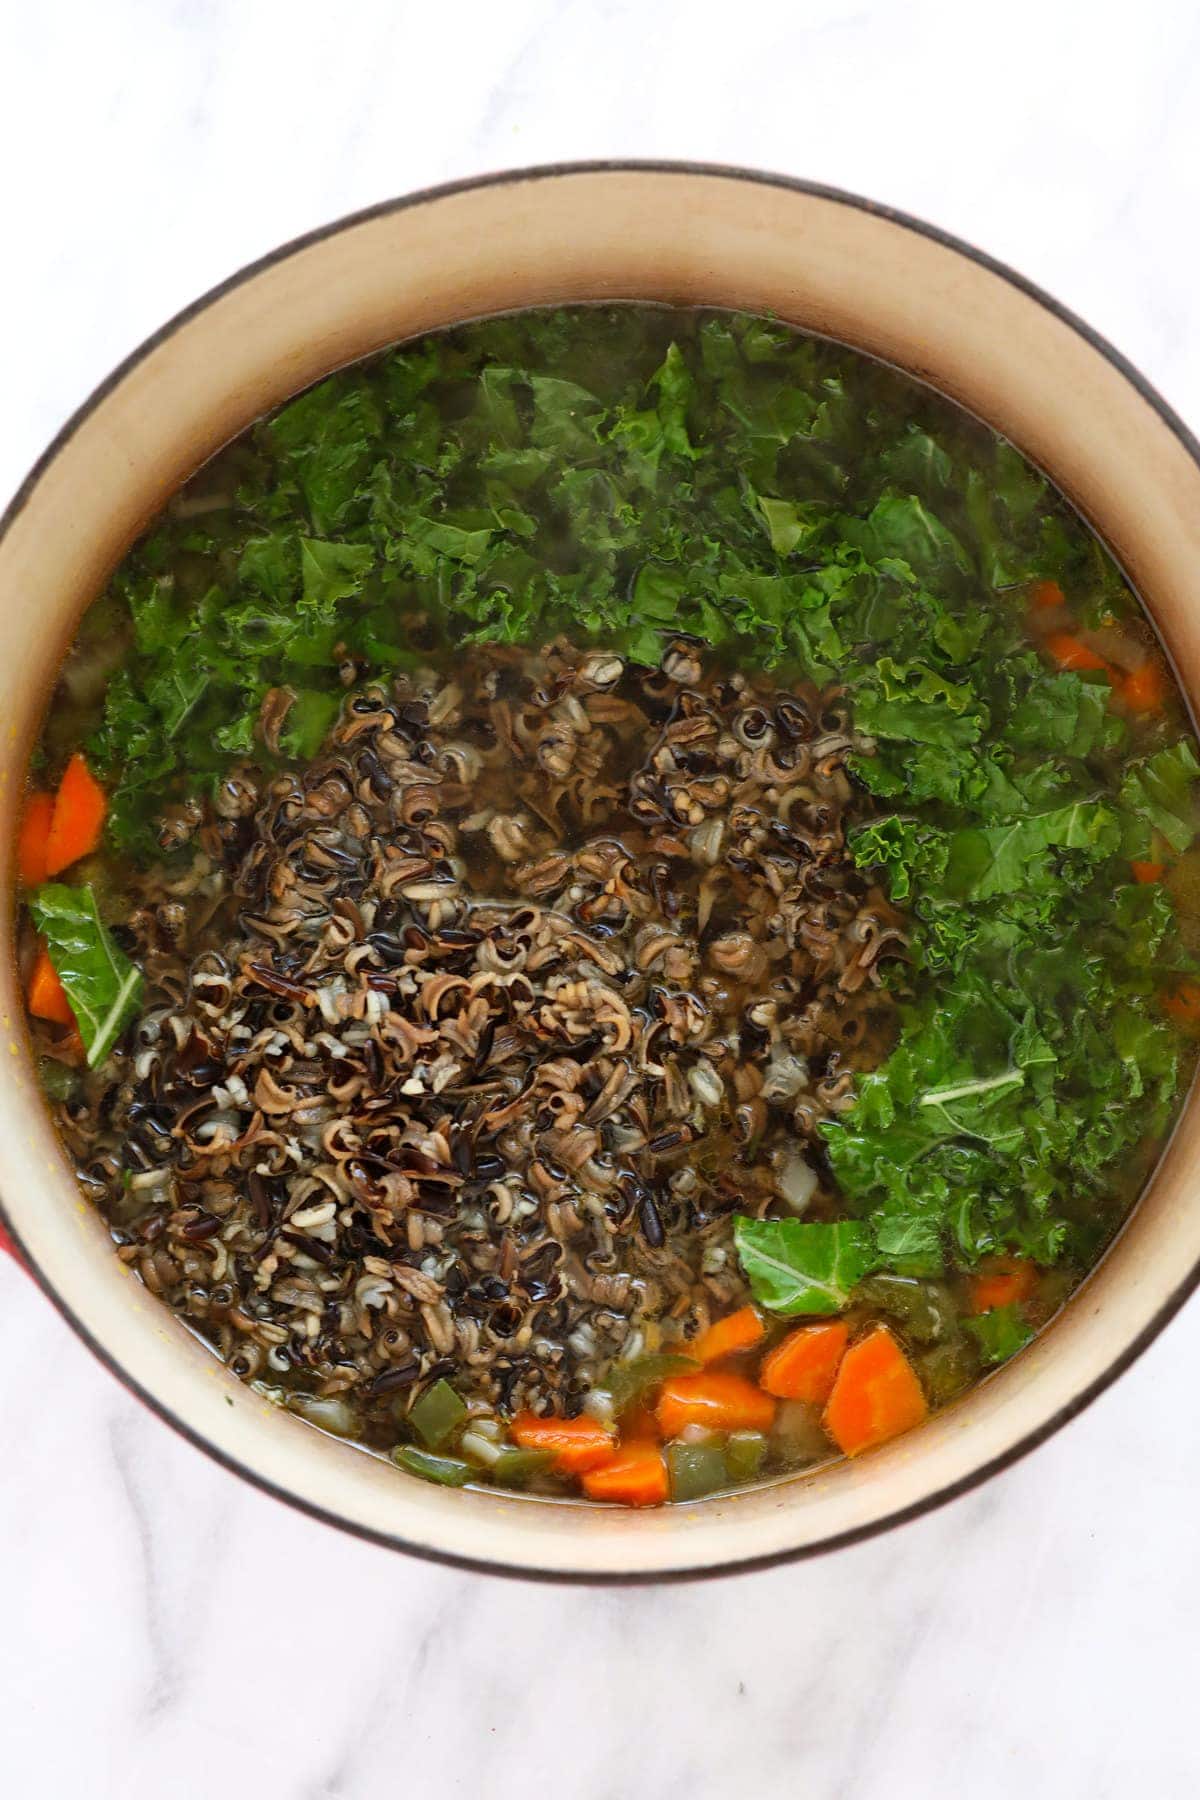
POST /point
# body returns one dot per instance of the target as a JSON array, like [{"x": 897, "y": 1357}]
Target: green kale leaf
[
  {"x": 797, "y": 1267},
  {"x": 102, "y": 985}
]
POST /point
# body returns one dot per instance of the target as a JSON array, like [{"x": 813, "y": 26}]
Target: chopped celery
[
  {"x": 695, "y": 1470},
  {"x": 331, "y": 1412},
  {"x": 438, "y": 1414},
  {"x": 799, "y": 1434},
  {"x": 447, "y": 1471},
  {"x": 477, "y": 1447},
  {"x": 946, "y": 1370},
  {"x": 1000, "y": 1333},
  {"x": 924, "y": 1310},
  {"x": 745, "y": 1453},
  {"x": 58, "y": 1081},
  {"x": 518, "y": 1465},
  {"x": 627, "y": 1381}
]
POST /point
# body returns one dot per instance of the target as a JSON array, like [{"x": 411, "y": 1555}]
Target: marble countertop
[{"x": 169, "y": 1630}]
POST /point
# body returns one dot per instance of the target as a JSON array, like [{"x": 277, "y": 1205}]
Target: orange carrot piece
[
  {"x": 1046, "y": 593},
  {"x": 737, "y": 1331},
  {"x": 1146, "y": 872},
  {"x": 1005, "y": 1281},
  {"x": 578, "y": 1444},
  {"x": 1184, "y": 1003},
  {"x": 804, "y": 1365},
  {"x": 78, "y": 821},
  {"x": 1144, "y": 689},
  {"x": 31, "y": 840},
  {"x": 722, "y": 1402},
  {"x": 876, "y": 1395},
  {"x": 1070, "y": 652},
  {"x": 47, "y": 996},
  {"x": 635, "y": 1475}
]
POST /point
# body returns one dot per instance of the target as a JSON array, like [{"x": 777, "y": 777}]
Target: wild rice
[{"x": 495, "y": 1016}]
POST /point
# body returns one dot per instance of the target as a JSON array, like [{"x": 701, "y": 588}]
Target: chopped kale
[{"x": 790, "y": 503}]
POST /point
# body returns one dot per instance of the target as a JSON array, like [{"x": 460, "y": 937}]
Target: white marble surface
[{"x": 167, "y": 1631}]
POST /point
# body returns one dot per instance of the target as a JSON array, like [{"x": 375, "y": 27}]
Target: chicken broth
[{"x": 611, "y": 903}]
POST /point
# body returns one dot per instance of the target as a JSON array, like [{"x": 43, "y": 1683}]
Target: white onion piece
[
  {"x": 796, "y": 1181},
  {"x": 786, "y": 1075}
]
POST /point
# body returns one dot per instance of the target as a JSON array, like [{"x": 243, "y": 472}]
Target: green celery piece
[
  {"x": 517, "y": 1465},
  {"x": 446, "y": 1471},
  {"x": 695, "y": 1470},
  {"x": 745, "y": 1453},
  {"x": 946, "y": 1370},
  {"x": 924, "y": 1309},
  {"x": 1000, "y": 1333},
  {"x": 627, "y": 1381},
  {"x": 101, "y": 983},
  {"x": 58, "y": 1082},
  {"x": 437, "y": 1415},
  {"x": 799, "y": 1434}
]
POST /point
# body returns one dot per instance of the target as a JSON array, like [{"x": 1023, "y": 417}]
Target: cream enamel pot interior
[{"x": 681, "y": 234}]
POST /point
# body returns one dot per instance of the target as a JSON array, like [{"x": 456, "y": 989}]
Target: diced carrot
[
  {"x": 47, "y": 996},
  {"x": 578, "y": 1444},
  {"x": 635, "y": 1475},
  {"x": 1070, "y": 652},
  {"x": 31, "y": 840},
  {"x": 722, "y": 1402},
  {"x": 804, "y": 1365},
  {"x": 737, "y": 1331},
  {"x": 78, "y": 821},
  {"x": 876, "y": 1395},
  {"x": 1146, "y": 872},
  {"x": 1144, "y": 689},
  {"x": 1005, "y": 1281},
  {"x": 1184, "y": 1003},
  {"x": 1046, "y": 593}
]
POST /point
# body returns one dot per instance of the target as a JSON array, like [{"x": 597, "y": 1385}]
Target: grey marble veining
[{"x": 168, "y": 1631}]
